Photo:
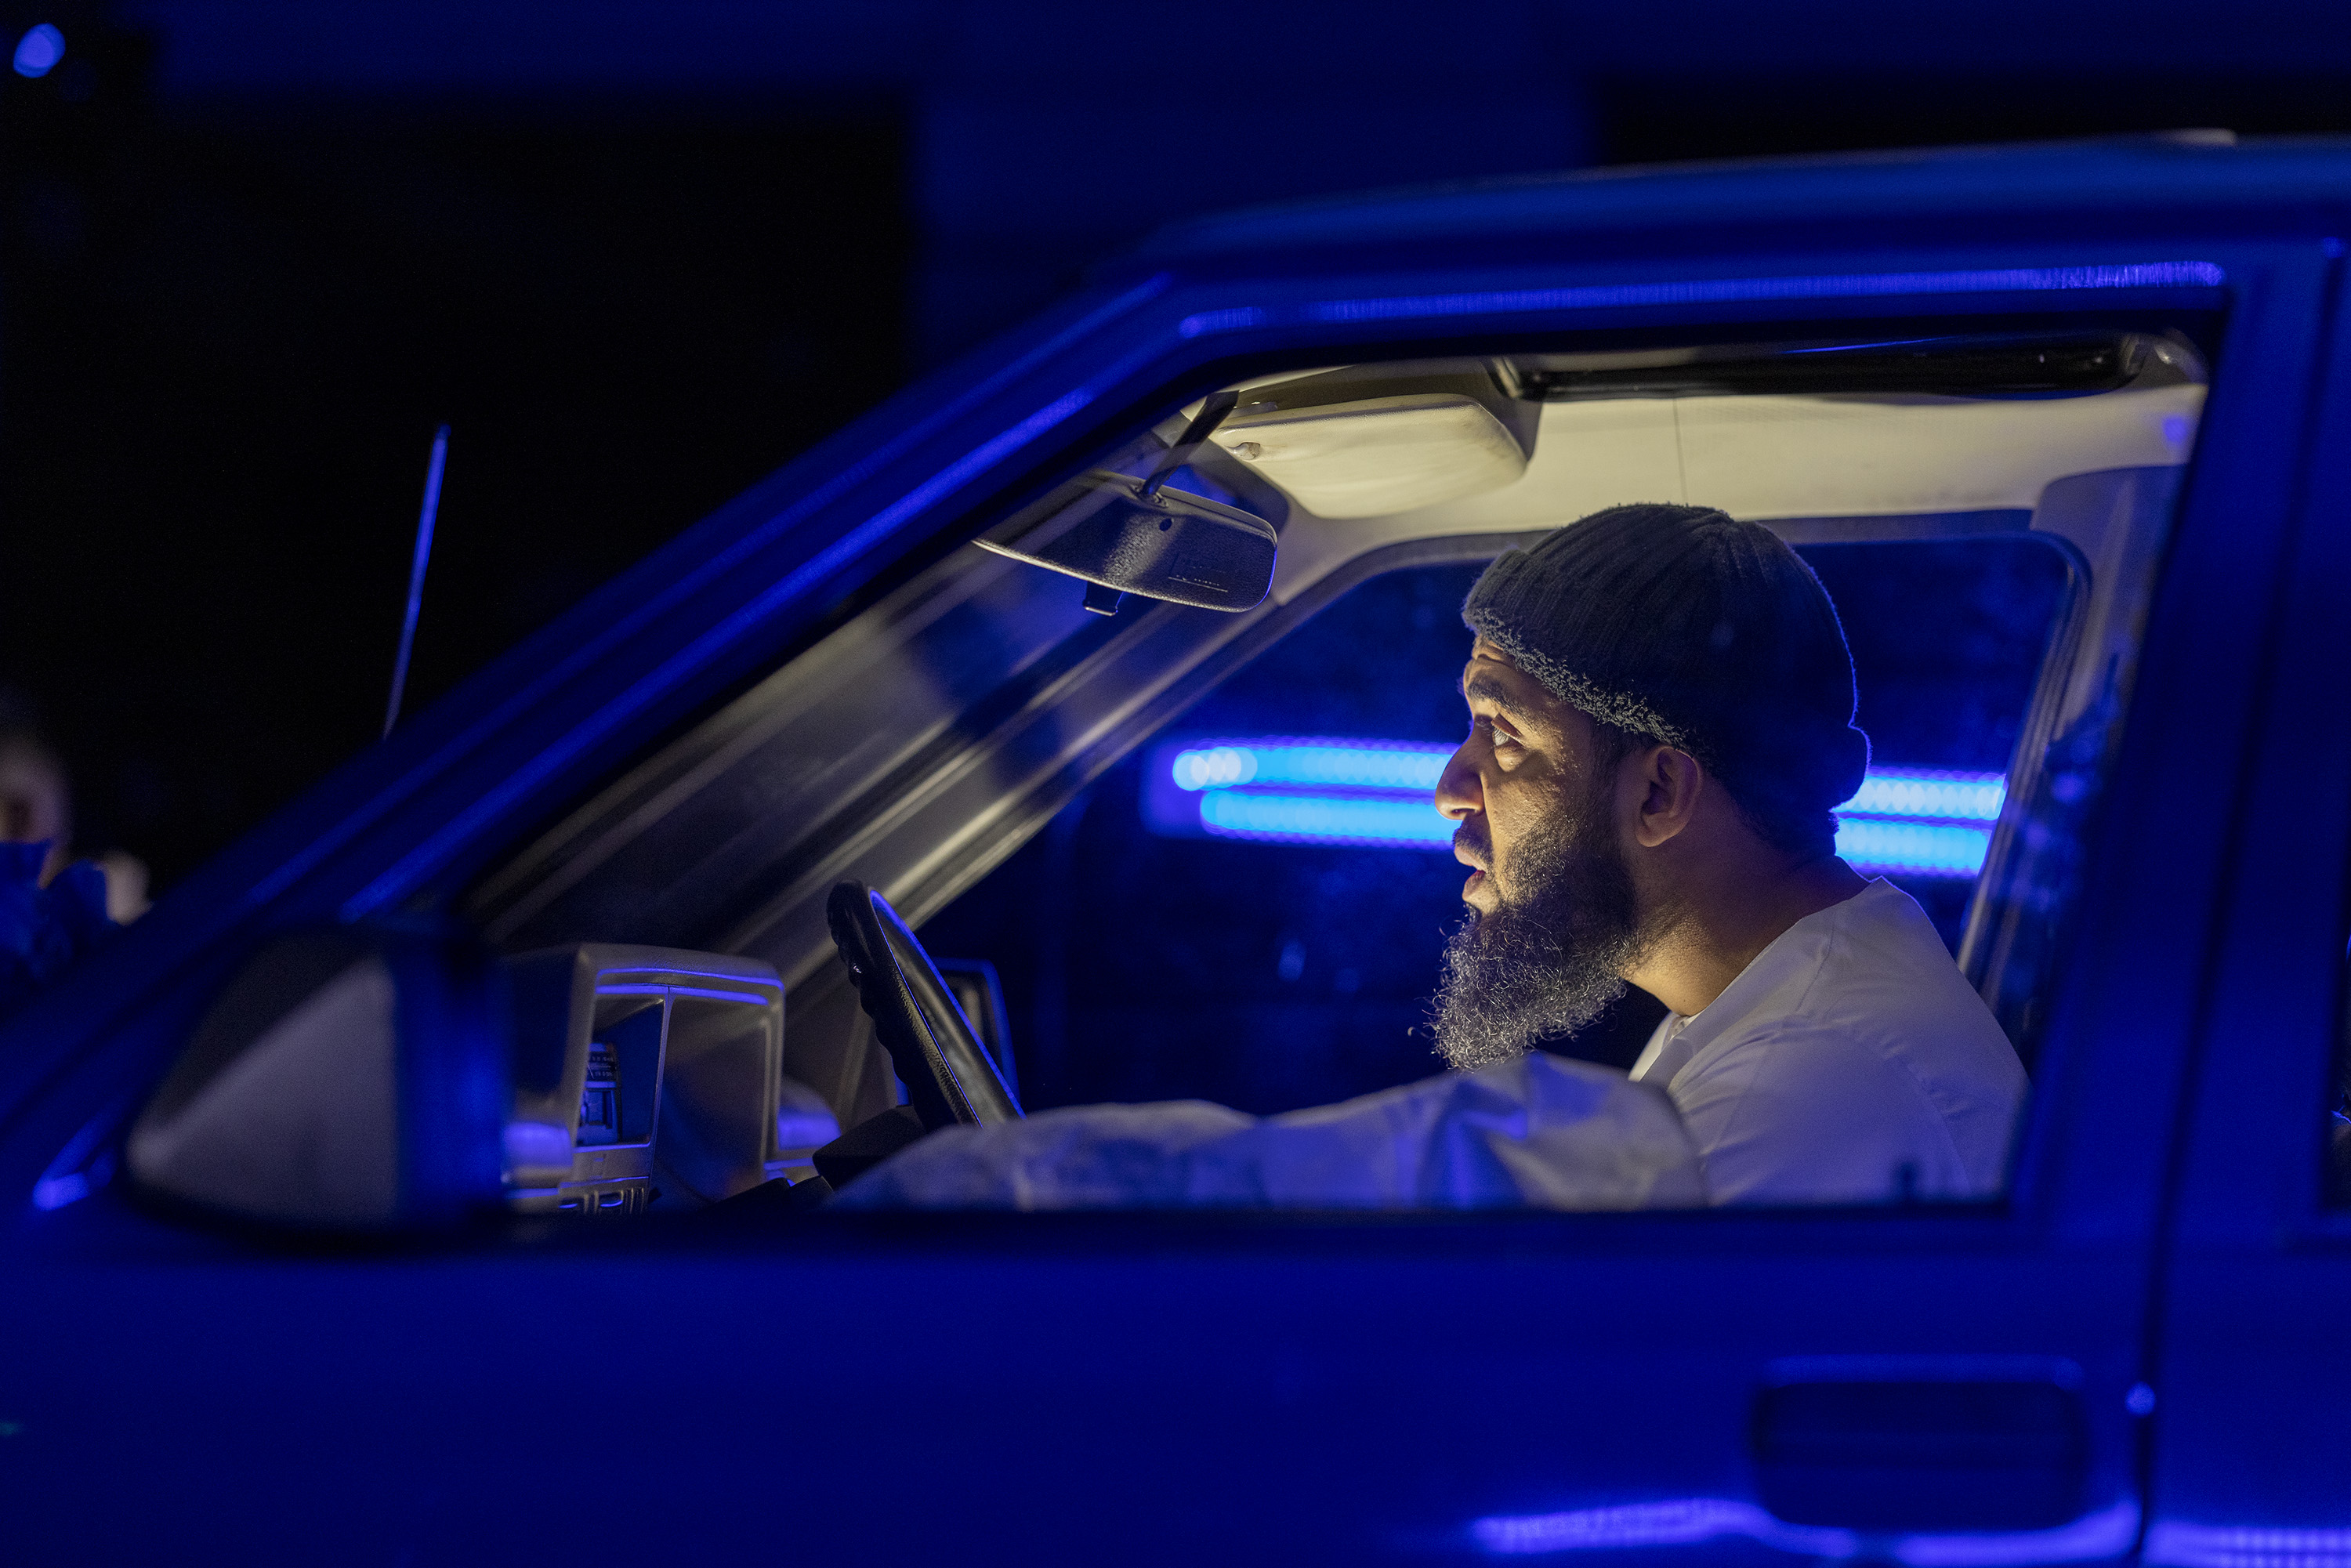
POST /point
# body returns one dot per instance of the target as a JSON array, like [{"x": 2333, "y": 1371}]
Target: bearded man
[{"x": 1661, "y": 710}]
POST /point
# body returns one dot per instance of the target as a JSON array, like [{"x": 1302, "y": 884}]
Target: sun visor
[{"x": 1380, "y": 455}]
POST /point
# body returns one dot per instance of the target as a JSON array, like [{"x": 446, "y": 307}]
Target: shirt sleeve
[{"x": 1540, "y": 1132}]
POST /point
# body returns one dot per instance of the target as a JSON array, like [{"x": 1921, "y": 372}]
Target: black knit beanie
[{"x": 1685, "y": 625}]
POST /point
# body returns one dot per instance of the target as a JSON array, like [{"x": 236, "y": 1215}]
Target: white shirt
[
  {"x": 1849, "y": 1062},
  {"x": 1538, "y": 1133}
]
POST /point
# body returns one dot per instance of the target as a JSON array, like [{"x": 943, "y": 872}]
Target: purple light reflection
[
  {"x": 1684, "y": 1520},
  {"x": 2176, "y": 1545},
  {"x": 1677, "y": 1522}
]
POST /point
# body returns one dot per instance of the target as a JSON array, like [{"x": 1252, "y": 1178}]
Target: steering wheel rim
[{"x": 949, "y": 1077}]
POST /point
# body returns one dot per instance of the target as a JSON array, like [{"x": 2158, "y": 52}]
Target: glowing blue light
[
  {"x": 1930, "y": 792},
  {"x": 39, "y": 50},
  {"x": 1214, "y": 766},
  {"x": 2246, "y": 1546},
  {"x": 1328, "y": 764},
  {"x": 1232, "y": 320},
  {"x": 55, "y": 1192},
  {"x": 84, "y": 1164},
  {"x": 1710, "y": 291},
  {"x": 1295, "y": 819},
  {"x": 1307, "y": 790},
  {"x": 1929, "y": 849}
]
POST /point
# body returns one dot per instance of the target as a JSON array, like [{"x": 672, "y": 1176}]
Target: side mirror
[{"x": 348, "y": 1078}]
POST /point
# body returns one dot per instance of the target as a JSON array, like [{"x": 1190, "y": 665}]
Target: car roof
[{"x": 2175, "y": 171}]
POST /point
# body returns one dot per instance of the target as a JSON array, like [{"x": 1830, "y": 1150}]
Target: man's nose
[{"x": 1457, "y": 790}]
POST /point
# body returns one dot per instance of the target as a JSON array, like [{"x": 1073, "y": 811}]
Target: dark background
[{"x": 253, "y": 251}]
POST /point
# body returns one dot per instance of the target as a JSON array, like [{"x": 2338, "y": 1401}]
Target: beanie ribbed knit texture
[{"x": 1685, "y": 625}]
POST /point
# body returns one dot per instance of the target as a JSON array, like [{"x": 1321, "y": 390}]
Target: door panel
[
  {"x": 1100, "y": 1390},
  {"x": 2253, "y": 1428}
]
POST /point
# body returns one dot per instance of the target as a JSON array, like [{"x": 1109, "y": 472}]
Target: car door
[
  {"x": 1926, "y": 1384},
  {"x": 1920, "y": 1385},
  {"x": 2252, "y": 1376}
]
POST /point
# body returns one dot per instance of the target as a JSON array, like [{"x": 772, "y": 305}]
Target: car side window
[
  {"x": 1161, "y": 733},
  {"x": 1249, "y": 911}
]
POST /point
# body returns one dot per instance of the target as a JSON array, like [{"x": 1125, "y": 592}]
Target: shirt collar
[{"x": 1683, "y": 1035}]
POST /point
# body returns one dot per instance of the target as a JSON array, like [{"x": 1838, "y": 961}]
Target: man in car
[{"x": 1661, "y": 704}]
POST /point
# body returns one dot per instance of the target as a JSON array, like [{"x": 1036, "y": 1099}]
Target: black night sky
[{"x": 252, "y": 255}]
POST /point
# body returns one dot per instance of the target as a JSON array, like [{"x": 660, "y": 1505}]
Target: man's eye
[{"x": 1496, "y": 736}]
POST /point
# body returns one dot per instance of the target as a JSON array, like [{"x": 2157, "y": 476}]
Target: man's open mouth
[
  {"x": 1473, "y": 854},
  {"x": 1470, "y": 852}
]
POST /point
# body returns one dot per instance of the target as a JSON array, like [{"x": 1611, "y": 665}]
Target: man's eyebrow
[{"x": 1491, "y": 688}]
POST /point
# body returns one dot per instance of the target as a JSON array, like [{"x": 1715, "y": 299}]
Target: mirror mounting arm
[{"x": 1213, "y": 413}]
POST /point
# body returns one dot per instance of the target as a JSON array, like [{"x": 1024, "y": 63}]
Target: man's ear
[{"x": 1668, "y": 782}]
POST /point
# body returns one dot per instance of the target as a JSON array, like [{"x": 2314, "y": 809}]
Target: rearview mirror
[
  {"x": 1129, "y": 535},
  {"x": 1121, "y": 534}
]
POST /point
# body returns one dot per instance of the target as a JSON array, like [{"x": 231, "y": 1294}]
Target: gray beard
[{"x": 1550, "y": 958}]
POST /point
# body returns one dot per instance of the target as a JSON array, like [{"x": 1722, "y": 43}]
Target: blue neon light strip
[
  {"x": 1300, "y": 790},
  {"x": 1930, "y": 792},
  {"x": 1290, "y": 819},
  {"x": 1331, "y": 764},
  {"x": 1919, "y": 849}
]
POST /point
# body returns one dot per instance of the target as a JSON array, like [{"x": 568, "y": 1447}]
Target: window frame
[
  {"x": 644, "y": 659},
  {"x": 1174, "y": 657}
]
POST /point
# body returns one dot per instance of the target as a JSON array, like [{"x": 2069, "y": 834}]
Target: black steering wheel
[{"x": 948, "y": 1076}]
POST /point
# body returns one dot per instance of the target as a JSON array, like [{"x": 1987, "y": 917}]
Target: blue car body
[{"x": 1185, "y": 1387}]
